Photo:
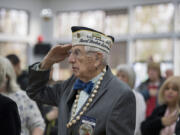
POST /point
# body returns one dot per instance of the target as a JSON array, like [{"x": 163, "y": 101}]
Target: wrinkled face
[
  {"x": 122, "y": 76},
  {"x": 83, "y": 63},
  {"x": 171, "y": 94},
  {"x": 153, "y": 74}
]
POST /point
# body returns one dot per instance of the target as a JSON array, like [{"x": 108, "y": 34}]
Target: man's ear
[{"x": 99, "y": 57}]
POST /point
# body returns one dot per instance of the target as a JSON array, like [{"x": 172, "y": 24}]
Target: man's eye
[
  {"x": 69, "y": 52},
  {"x": 76, "y": 53}
]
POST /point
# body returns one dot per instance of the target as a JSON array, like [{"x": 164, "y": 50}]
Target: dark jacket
[
  {"x": 113, "y": 108},
  {"x": 9, "y": 117},
  {"x": 153, "y": 125},
  {"x": 143, "y": 88},
  {"x": 22, "y": 80}
]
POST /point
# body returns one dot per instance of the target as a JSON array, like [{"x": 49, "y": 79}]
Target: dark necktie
[{"x": 80, "y": 85}]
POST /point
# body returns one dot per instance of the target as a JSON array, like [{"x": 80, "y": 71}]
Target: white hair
[
  {"x": 93, "y": 49},
  {"x": 9, "y": 73},
  {"x": 129, "y": 71},
  {"x": 2, "y": 74}
]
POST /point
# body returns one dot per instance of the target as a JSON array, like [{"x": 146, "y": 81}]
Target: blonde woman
[
  {"x": 165, "y": 118},
  {"x": 31, "y": 119},
  {"x": 9, "y": 117}
]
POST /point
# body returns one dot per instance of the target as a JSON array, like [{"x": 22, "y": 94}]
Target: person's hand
[
  {"x": 153, "y": 92},
  {"x": 53, "y": 114},
  {"x": 168, "y": 120},
  {"x": 56, "y": 54}
]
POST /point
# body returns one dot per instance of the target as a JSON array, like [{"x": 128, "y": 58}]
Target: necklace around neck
[{"x": 76, "y": 117}]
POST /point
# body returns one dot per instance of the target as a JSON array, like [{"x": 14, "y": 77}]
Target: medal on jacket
[{"x": 87, "y": 125}]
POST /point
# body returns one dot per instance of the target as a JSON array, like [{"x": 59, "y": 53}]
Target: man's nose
[{"x": 71, "y": 58}]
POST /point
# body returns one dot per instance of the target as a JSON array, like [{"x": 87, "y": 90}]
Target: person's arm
[
  {"x": 121, "y": 120},
  {"x": 153, "y": 124},
  {"x": 38, "y": 131},
  {"x": 34, "y": 121},
  {"x": 52, "y": 114},
  {"x": 177, "y": 129},
  {"x": 141, "y": 111},
  {"x": 55, "y": 55},
  {"x": 38, "y": 89}
]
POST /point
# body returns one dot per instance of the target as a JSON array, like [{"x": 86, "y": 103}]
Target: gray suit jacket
[{"x": 113, "y": 107}]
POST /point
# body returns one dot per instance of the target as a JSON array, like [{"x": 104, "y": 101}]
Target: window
[
  {"x": 177, "y": 56},
  {"x": 177, "y": 24},
  {"x": 157, "y": 49},
  {"x": 20, "y": 49},
  {"x": 118, "y": 54},
  {"x": 140, "y": 69},
  {"x": 154, "y": 18},
  {"x": 13, "y": 22},
  {"x": 116, "y": 22},
  {"x": 152, "y": 29},
  {"x": 110, "y": 22},
  {"x": 64, "y": 21},
  {"x": 92, "y": 19}
]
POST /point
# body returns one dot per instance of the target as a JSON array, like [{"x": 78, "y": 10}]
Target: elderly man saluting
[{"x": 92, "y": 101}]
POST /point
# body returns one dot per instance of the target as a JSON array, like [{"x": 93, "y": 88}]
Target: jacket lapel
[
  {"x": 70, "y": 95},
  {"x": 70, "y": 99},
  {"x": 102, "y": 89}
]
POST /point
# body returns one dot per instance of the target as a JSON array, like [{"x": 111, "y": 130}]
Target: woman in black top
[
  {"x": 9, "y": 117},
  {"x": 165, "y": 118}
]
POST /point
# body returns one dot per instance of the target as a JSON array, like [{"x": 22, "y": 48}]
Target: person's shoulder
[
  {"x": 145, "y": 82},
  {"x": 162, "y": 79},
  {"x": 118, "y": 84},
  {"x": 22, "y": 95},
  {"x": 138, "y": 95},
  {"x": 24, "y": 73},
  {"x": 6, "y": 102},
  {"x": 143, "y": 85},
  {"x": 20, "y": 92},
  {"x": 120, "y": 92},
  {"x": 139, "y": 99},
  {"x": 118, "y": 88},
  {"x": 160, "y": 109}
]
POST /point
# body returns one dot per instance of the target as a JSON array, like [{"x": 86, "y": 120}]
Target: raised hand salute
[{"x": 56, "y": 54}]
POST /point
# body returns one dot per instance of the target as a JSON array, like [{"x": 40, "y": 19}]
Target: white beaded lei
[{"x": 74, "y": 117}]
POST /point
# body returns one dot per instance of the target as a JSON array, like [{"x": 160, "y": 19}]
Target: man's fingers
[
  {"x": 67, "y": 47},
  {"x": 62, "y": 48},
  {"x": 62, "y": 57}
]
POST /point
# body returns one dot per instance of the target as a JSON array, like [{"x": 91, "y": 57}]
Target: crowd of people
[
  {"x": 92, "y": 101},
  {"x": 157, "y": 100}
]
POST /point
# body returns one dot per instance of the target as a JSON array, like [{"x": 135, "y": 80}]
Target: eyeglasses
[{"x": 78, "y": 52}]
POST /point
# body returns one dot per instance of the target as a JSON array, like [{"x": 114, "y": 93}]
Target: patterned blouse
[{"x": 28, "y": 111}]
